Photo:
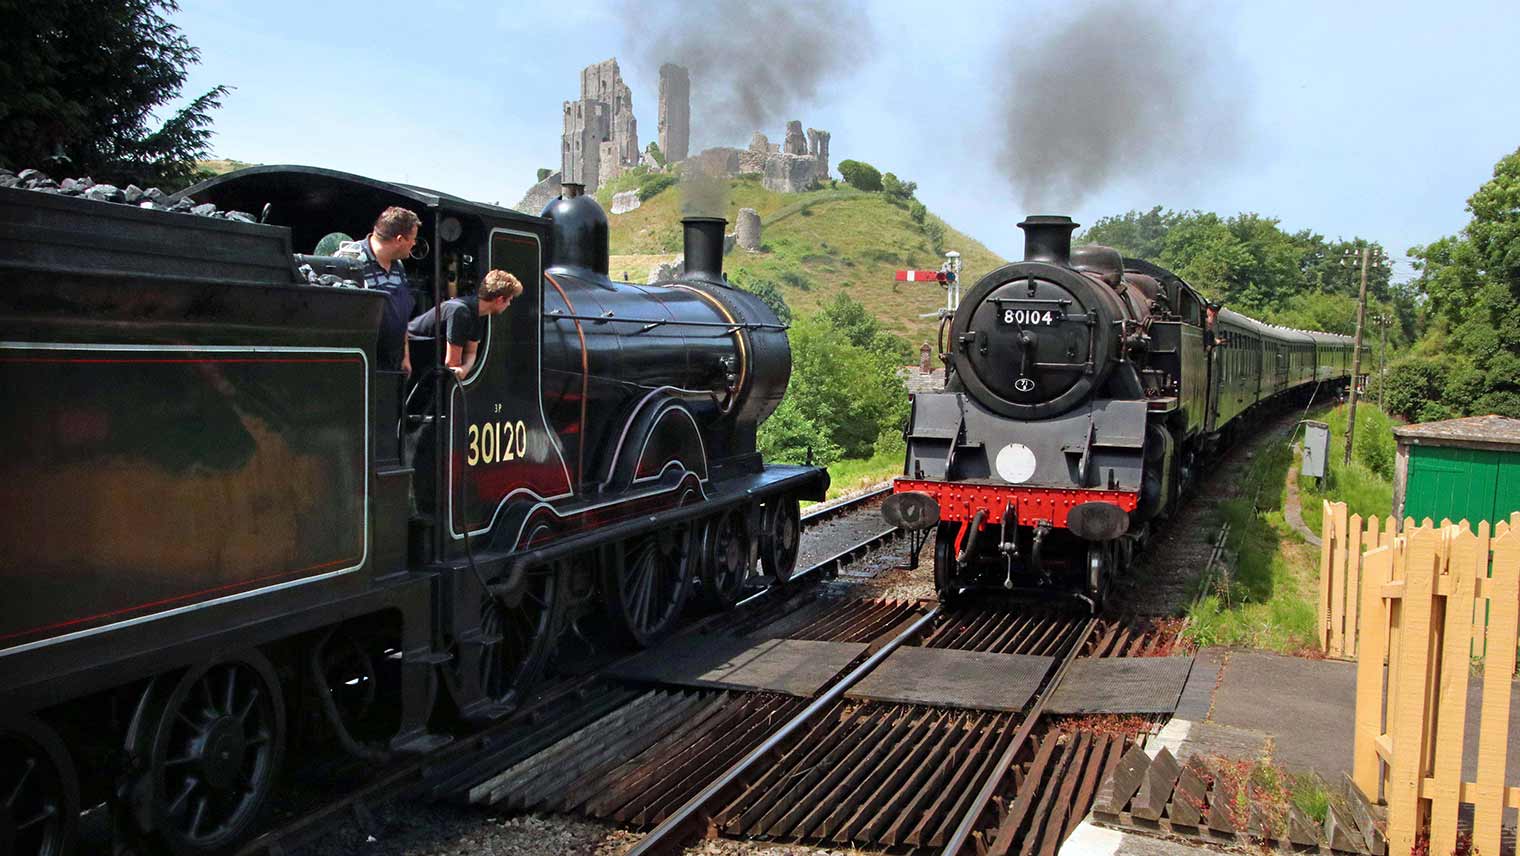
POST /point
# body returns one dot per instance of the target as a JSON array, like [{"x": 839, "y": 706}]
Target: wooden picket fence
[
  {"x": 1340, "y": 571},
  {"x": 1428, "y": 598}
]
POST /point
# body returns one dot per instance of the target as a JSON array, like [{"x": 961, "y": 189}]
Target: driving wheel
[
  {"x": 727, "y": 557},
  {"x": 523, "y": 625},
  {"x": 647, "y": 586},
  {"x": 780, "y": 538}
]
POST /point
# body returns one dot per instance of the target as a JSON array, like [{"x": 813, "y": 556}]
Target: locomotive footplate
[{"x": 799, "y": 667}]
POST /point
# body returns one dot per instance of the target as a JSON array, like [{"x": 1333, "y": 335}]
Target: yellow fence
[
  {"x": 1340, "y": 561},
  {"x": 1417, "y": 605}
]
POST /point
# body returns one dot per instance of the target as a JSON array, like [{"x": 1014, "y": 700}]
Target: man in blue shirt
[{"x": 381, "y": 252}]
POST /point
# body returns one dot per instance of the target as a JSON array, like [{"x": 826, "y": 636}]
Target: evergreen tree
[{"x": 79, "y": 81}]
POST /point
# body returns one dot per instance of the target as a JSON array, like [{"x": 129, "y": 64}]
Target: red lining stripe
[{"x": 174, "y": 360}]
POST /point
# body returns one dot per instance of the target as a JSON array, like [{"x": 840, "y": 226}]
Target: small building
[{"x": 1459, "y": 469}]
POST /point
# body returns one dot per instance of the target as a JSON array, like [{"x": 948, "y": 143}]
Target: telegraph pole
[
  {"x": 1356, "y": 352},
  {"x": 1383, "y": 322}
]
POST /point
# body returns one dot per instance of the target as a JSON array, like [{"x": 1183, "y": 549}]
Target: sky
[{"x": 1348, "y": 119}]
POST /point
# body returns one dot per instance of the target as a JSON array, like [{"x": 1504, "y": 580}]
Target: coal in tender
[{"x": 104, "y": 193}]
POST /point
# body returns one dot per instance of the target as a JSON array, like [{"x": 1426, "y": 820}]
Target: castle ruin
[
  {"x": 675, "y": 112},
  {"x": 601, "y": 137}
]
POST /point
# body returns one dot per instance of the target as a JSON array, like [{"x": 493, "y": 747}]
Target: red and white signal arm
[{"x": 922, "y": 276}]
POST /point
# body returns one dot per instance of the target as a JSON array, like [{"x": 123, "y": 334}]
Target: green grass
[
  {"x": 816, "y": 244},
  {"x": 1267, "y": 600},
  {"x": 1366, "y": 484},
  {"x": 854, "y": 474}
]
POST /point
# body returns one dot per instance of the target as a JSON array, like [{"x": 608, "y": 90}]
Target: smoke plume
[
  {"x": 1123, "y": 90},
  {"x": 703, "y": 193},
  {"x": 752, "y": 63}
]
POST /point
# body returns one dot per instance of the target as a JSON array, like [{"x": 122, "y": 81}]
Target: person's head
[
  {"x": 395, "y": 232},
  {"x": 496, "y": 292}
]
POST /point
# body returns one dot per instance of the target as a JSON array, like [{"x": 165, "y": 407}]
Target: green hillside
[{"x": 815, "y": 245}]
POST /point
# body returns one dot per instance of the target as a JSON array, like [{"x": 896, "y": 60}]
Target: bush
[
  {"x": 897, "y": 191},
  {"x": 654, "y": 183},
  {"x": 544, "y": 172},
  {"x": 917, "y": 212},
  {"x": 654, "y": 152},
  {"x": 1415, "y": 386},
  {"x": 787, "y": 436},
  {"x": 769, "y": 294},
  {"x": 860, "y": 175}
]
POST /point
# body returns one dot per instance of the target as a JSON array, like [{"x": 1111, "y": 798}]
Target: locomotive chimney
[
  {"x": 571, "y": 189},
  {"x": 1047, "y": 238},
  {"x": 704, "y": 247}
]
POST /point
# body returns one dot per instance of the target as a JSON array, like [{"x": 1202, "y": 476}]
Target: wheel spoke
[
  {"x": 178, "y": 803},
  {"x": 190, "y": 723},
  {"x": 48, "y": 811},
  {"x": 180, "y": 762},
  {"x": 253, "y": 699},
  {"x": 31, "y": 764},
  {"x": 231, "y": 704},
  {"x": 205, "y": 687},
  {"x": 200, "y": 815}
]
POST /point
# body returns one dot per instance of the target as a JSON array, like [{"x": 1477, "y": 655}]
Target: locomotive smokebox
[
  {"x": 704, "y": 247},
  {"x": 1047, "y": 238}
]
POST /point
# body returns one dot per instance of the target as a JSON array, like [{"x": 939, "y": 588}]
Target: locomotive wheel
[
  {"x": 726, "y": 559},
  {"x": 212, "y": 750},
  {"x": 525, "y": 625},
  {"x": 780, "y": 537},
  {"x": 39, "y": 790},
  {"x": 1100, "y": 567},
  {"x": 945, "y": 583},
  {"x": 648, "y": 588}
]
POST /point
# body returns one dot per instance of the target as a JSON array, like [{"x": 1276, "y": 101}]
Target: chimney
[
  {"x": 1047, "y": 238},
  {"x": 704, "y": 247},
  {"x": 572, "y": 189}
]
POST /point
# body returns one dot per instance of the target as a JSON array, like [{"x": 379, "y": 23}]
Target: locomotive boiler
[{"x": 1081, "y": 390}]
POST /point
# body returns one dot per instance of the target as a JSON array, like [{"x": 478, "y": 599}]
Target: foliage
[
  {"x": 863, "y": 329},
  {"x": 851, "y": 391},
  {"x": 897, "y": 191},
  {"x": 79, "y": 85},
  {"x": 768, "y": 293},
  {"x": 544, "y": 172},
  {"x": 1473, "y": 281},
  {"x": 1248, "y": 262},
  {"x": 654, "y": 151},
  {"x": 860, "y": 175},
  {"x": 653, "y": 183},
  {"x": 1366, "y": 484},
  {"x": 1267, "y": 599},
  {"x": 917, "y": 212},
  {"x": 788, "y": 436}
]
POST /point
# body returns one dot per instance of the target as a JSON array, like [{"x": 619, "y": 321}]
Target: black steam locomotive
[
  {"x": 223, "y": 522},
  {"x": 1083, "y": 390}
]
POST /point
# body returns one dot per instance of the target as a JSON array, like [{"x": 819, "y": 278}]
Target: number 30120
[{"x": 496, "y": 441}]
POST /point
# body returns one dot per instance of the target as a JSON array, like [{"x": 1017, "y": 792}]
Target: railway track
[{"x": 557, "y": 711}]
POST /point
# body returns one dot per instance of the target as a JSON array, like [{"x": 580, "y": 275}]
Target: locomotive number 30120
[{"x": 491, "y": 442}]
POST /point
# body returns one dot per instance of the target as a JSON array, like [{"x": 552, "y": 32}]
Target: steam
[
  {"x": 703, "y": 193},
  {"x": 752, "y": 63},
  {"x": 1123, "y": 90}
]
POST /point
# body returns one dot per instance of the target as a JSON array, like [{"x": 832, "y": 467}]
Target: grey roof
[{"x": 1470, "y": 429}]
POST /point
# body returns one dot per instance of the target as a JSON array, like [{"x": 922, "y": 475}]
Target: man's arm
[
  {"x": 406, "y": 353},
  {"x": 466, "y": 357}
]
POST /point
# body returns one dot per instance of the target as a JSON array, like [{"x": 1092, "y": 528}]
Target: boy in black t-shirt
[{"x": 465, "y": 320}]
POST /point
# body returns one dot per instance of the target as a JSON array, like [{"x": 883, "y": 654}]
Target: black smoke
[
  {"x": 752, "y": 64},
  {"x": 1123, "y": 90}
]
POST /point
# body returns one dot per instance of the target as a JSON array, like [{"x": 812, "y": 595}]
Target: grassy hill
[{"x": 814, "y": 245}]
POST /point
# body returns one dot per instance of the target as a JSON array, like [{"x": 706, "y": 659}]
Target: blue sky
[{"x": 1376, "y": 120}]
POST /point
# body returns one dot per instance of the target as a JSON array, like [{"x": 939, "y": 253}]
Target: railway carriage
[
  {"x": 1083, "y": 392},
  {"x": 224, "y": 524}
]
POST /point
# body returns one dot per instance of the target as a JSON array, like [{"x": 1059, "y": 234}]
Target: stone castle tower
[
  {"x": 675, "y": 112},
  {"x": 601, "y": 136}
]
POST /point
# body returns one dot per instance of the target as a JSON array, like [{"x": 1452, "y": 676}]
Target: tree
[
  {"x": 544, "y": 172},
  {"x": 654, "y": 151},
  {"x": 860, "y": 175},
  {"x": 768, "y": 293},
  {"x": 897, "y": 191},
  {"x": 1473, "y": 282},
  {"x": 79, "y": 85},
  {"x": 787, "y": 436}
]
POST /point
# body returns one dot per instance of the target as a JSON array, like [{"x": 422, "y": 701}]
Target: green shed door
[{"x": 1461, "y": 484}]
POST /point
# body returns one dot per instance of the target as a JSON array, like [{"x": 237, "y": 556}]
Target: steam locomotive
[
  {"x": 1083, "y": 392},
  {"x": 223, "y": 522}
]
